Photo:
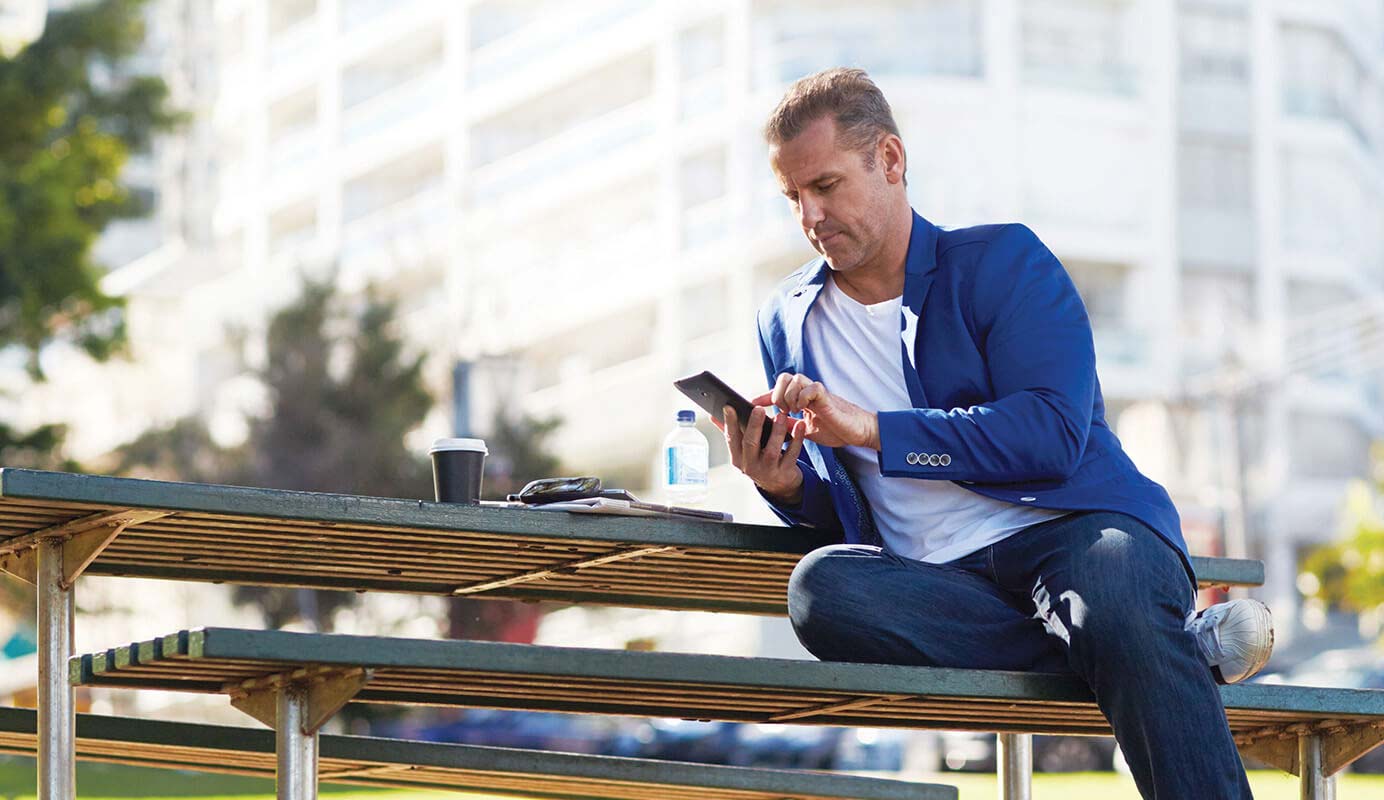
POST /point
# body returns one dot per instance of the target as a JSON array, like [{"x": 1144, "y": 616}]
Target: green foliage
[
  {"x": 340, "y": 432},
  {"x": 342, "y": 395},
  {"x": 182, "y": 451},
  {"x": 72, "y": 116},
  {"x": 1350, "y": 573}
]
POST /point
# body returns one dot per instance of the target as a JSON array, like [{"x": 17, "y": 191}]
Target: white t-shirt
[{"x": 858, "y": 354}]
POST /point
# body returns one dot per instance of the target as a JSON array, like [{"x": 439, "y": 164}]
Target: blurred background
[{"x": 290, "y": 242}]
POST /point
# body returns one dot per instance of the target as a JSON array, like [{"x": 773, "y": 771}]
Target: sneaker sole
[{"x": 1259, "y": 663}]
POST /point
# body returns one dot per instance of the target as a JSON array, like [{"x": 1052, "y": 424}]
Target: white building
[{"x": 580, "y": 189}]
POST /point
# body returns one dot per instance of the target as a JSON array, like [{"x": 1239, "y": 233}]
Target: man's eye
[{"x": 826, "y": 187}]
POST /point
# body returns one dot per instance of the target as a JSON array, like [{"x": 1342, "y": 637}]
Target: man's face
[{"x": 840, "y": 204}]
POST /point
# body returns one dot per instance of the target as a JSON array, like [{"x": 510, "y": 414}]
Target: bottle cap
[{"x": 687, "y": 416}]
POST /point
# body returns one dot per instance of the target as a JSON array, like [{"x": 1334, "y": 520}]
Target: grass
[{"x": 112, "y": 782}]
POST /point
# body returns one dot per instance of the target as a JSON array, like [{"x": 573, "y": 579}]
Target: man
[{"x": 951, "y": 427}]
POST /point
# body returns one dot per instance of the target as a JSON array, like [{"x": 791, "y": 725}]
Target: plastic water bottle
[{"x": 685, "y": 462}]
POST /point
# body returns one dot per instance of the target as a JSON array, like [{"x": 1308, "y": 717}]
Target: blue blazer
[{"x": 997, "y": 353}]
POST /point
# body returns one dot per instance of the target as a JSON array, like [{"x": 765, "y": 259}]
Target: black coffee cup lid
[{"x": 471, "y": 445}]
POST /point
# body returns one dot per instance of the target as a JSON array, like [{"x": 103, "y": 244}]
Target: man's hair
[{"x": 847, "y": 95}]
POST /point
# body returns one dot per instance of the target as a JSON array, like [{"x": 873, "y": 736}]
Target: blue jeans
[{"x": 1095, "y": 594}]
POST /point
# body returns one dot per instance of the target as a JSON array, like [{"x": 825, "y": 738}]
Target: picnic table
[{"x": 55, "y": 527}]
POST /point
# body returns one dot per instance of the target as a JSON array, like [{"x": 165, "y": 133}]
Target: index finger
[{"x": 766, "y": 399}]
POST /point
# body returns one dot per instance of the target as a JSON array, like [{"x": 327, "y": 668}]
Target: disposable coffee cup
[{"x": 457, "y": 468}]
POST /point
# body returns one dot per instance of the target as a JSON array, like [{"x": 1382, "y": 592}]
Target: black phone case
[{"x": 712, "y": 394}]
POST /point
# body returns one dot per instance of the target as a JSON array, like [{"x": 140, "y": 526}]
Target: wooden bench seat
[
  {"x": 395, "y": 763},
  {"x": 1267, "y": 720}
]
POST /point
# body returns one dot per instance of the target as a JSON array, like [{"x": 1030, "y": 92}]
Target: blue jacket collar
[{"x": 919, "y": 265}]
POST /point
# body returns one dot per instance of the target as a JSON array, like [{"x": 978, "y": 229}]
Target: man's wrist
[
  {"x": 872, "y": 434},
  {"x": 791, "y": 496}
]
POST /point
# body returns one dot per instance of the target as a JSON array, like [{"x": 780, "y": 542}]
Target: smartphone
[{"x": 712, "y": 394}]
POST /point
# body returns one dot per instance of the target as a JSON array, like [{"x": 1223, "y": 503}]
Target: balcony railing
[
  {"x": 405, "y": 231},
  {"x": 1121, "y": 348},
  {"x": 294, "y": 42},
  {"x": 294, "y": 149},
  {"x": 548, "y": 36},
  {"x": 532, "y": 166},
  {"x": 406, "y": 101}
]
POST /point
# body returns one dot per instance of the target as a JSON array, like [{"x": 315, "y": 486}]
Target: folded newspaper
[{"x": 627, "y": 508}]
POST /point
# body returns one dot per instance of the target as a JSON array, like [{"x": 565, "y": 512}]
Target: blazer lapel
[
  {"x": 919, "y": 268},
  {"x": 795, "y": 316}
]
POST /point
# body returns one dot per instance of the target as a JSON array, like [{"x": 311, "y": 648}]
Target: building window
[
  {"x": 1323, "y": 79},
  {"x": 1102, "y": 287},
  {"x": 704, "y": 309},
  {"x": 1214, "y": 173},
  {"x": 584, "y": 99},
  {"x": 1214, "y": 44},
  {"x": 615, "y": 339},
  {"x": 701, "y": 71},
  {"x": 1329, "y": 447},
  {"x": 1321, "y": 194},
  {"x": 927, "y": 37},
  {"x": 496, "y": 19},
  {"x": 1080, "y": 44}
]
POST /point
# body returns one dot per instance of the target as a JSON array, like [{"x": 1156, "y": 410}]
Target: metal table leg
[
  {"x": 297, "y": 750},
  {"x": 1316, "y": 784},
  {"x": 1014, "y": 765},
  {"x": 57, "y": 775}
]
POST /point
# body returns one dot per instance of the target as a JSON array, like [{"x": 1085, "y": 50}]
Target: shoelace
[{"x": 1207, "y": 630}]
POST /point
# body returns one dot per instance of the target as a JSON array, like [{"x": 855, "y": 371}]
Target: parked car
[
  {"x": 523, "y": 729},
  {"x": 976, "y": 752},
  {"x": 785, "y": 746},
  {"x": 688, "y": 740},
  {"x": 879, "y": 749}
]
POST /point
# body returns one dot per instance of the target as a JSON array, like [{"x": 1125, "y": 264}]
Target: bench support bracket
[
  {"x": 296, "y": 705},
  {"x": 324, "y": 693},
  {"x": 82, "y": 541},
  {"x": 1339, "y": 746}
]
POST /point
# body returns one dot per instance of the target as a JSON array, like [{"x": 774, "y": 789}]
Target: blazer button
[
  {"x": 946, "y": 460},
  {"x": 934, "y": 460},
  {"x": 911, "y": 458},
  {"x": 1028, "y": 499}
]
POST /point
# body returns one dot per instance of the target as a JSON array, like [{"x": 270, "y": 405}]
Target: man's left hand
[{"x": 831, "y": 421}]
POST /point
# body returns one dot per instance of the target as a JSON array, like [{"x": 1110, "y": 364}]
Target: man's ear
[{"x": 892, "y": 157}]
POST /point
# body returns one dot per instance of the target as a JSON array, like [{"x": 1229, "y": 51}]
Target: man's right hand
[{"x": 773, "y": 469}]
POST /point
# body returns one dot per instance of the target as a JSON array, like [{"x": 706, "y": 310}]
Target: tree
[
  {"x": 72, "y": 114},
  {"x": 342, "y": 395},
  {"x": 1350, "y": 573}
]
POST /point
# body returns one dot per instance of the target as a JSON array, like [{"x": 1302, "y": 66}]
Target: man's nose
[{"x": 809, "y": 212}]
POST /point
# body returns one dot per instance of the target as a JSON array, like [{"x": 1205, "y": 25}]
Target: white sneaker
[{"x": 1235, "y": 638}]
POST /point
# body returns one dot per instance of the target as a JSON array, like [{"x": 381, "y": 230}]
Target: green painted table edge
[{"x": 320, "y": 507}]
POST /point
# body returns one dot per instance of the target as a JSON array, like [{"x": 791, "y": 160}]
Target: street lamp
[{"x": 21, "y": 23}]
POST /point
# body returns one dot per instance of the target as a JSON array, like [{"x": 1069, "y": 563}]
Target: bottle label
[{"x": 681, "y": 472}]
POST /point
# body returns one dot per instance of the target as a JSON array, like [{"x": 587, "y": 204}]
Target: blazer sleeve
[
  {"x": 816, "y": 508},
  {"x": 1038, "y": 349}
]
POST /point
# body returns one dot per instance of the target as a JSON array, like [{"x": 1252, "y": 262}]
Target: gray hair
[{"x": 847, "y": 95}]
